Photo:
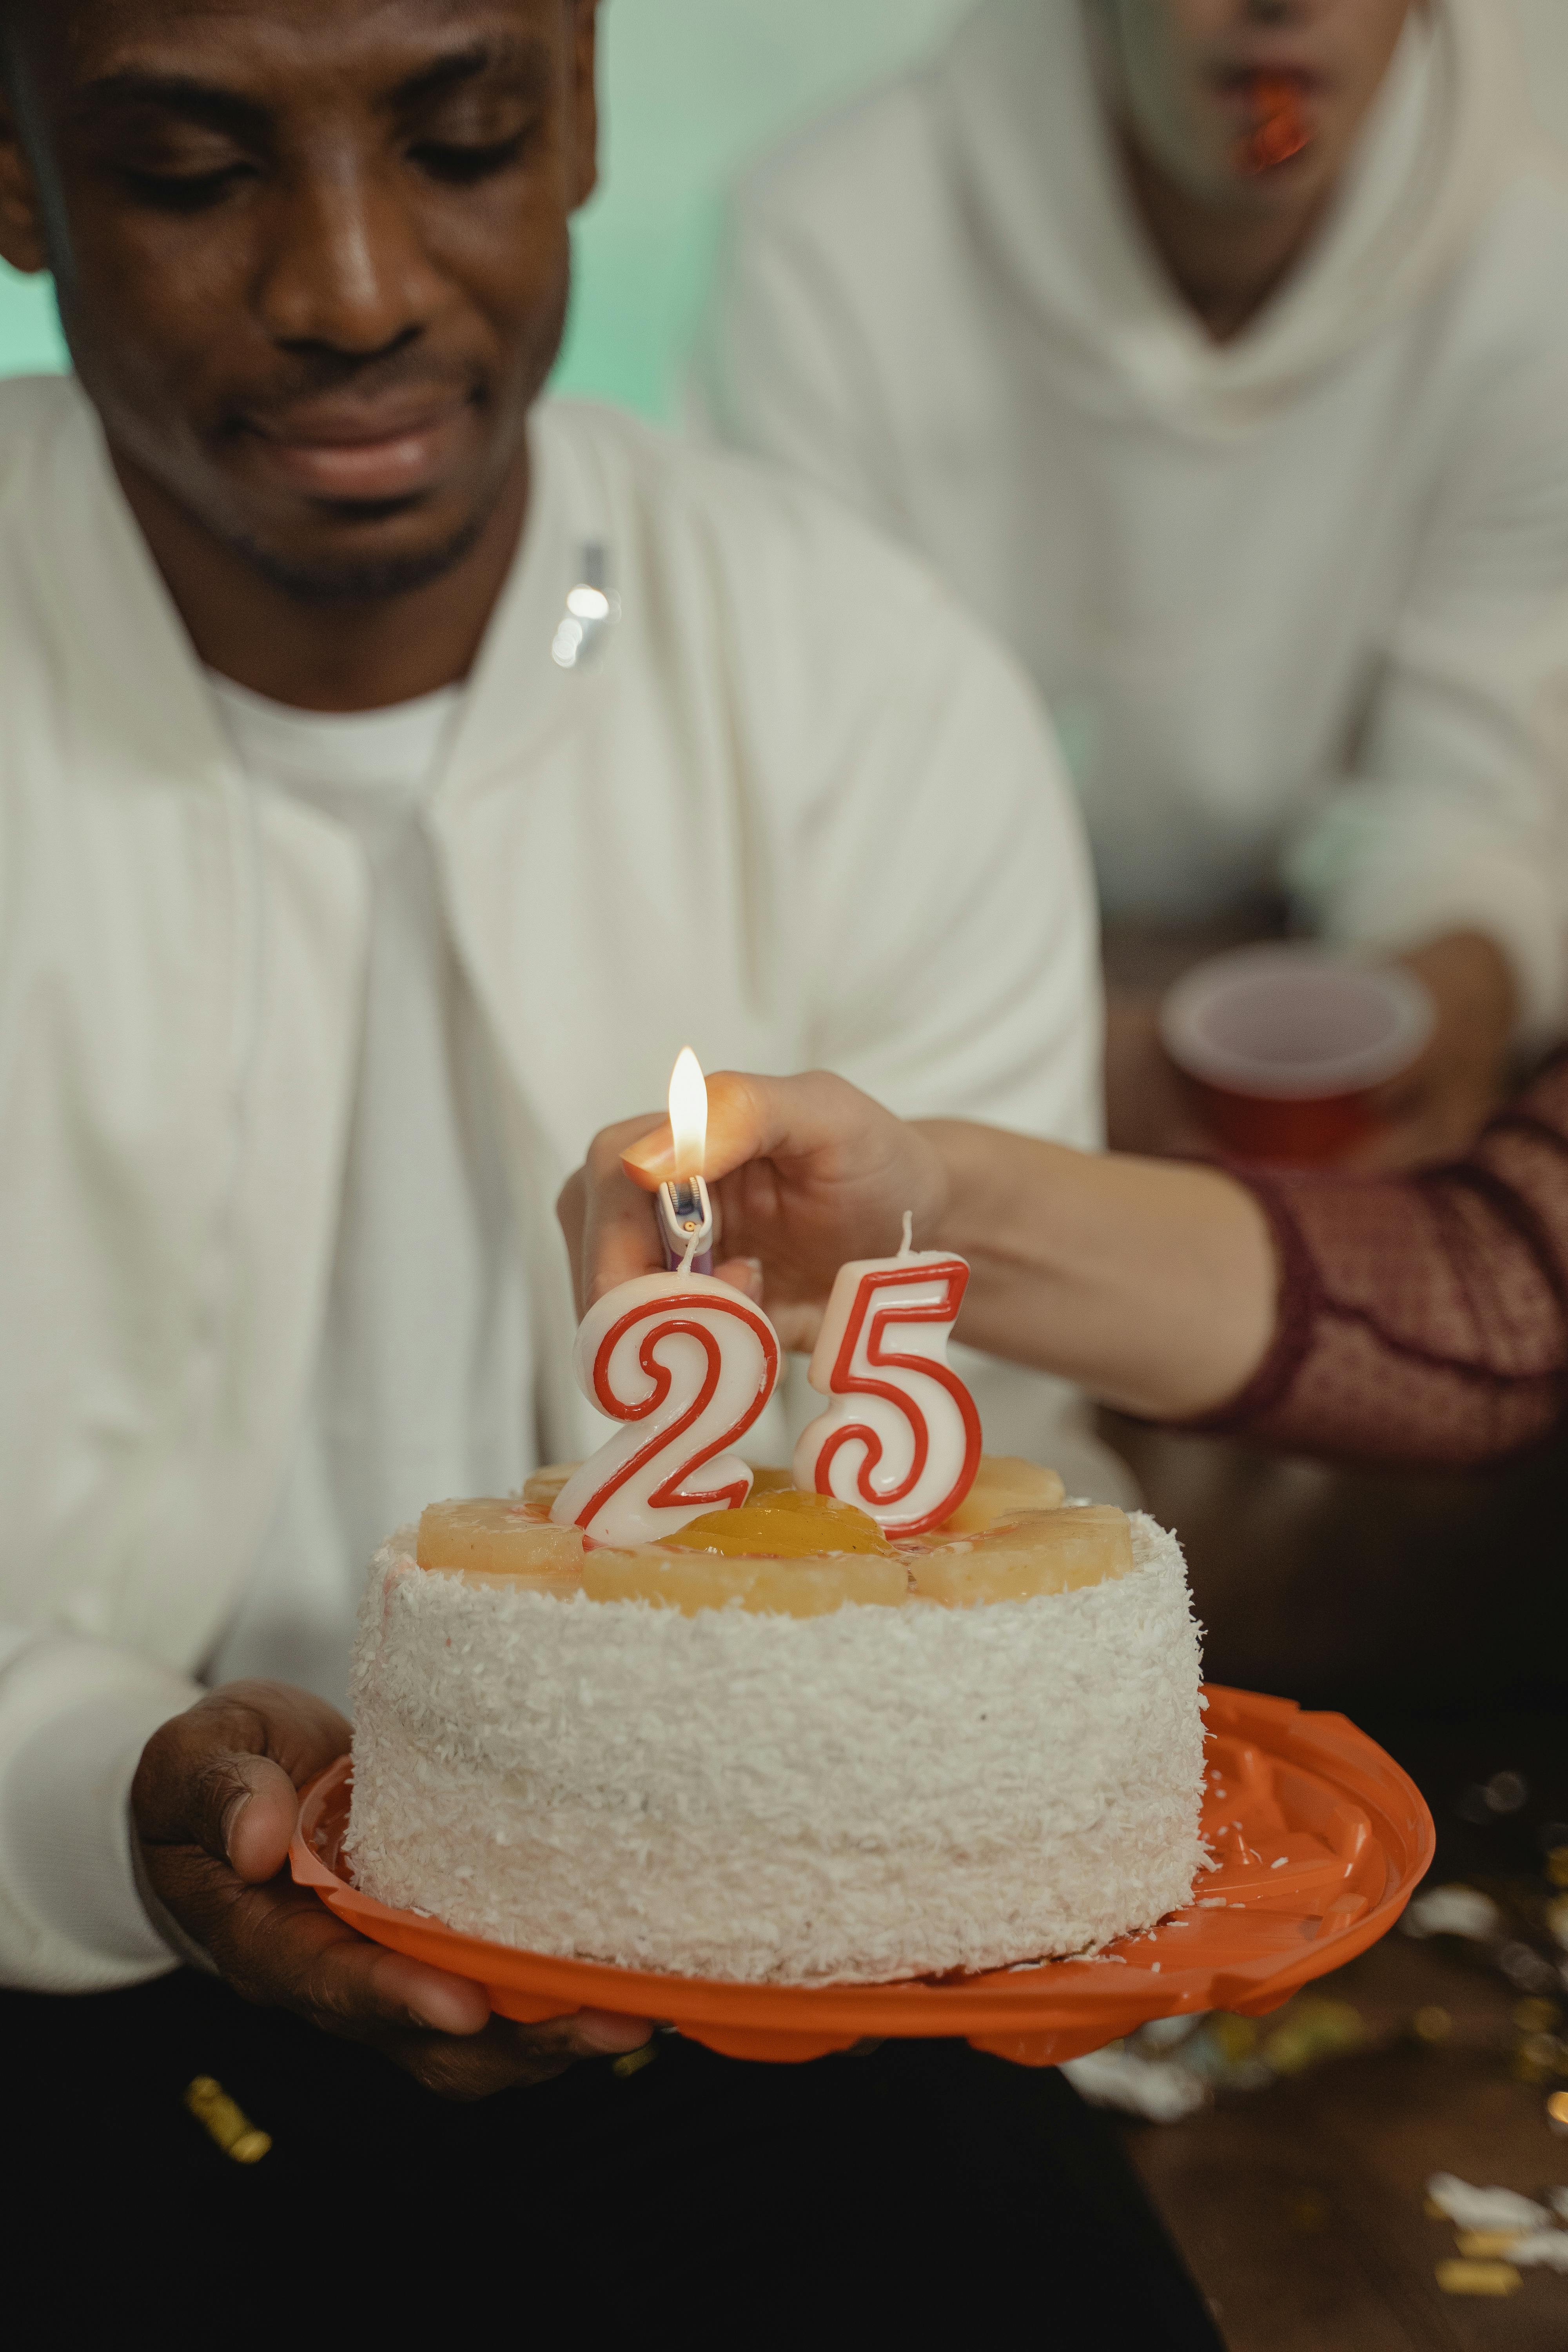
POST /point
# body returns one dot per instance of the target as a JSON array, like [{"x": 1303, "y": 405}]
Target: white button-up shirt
[{"x": 797, "y": 811}]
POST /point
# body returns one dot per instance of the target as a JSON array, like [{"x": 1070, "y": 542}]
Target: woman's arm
[
  {"x": 1422, "y": 1318},
  {"x": 1153, "y": 1284},
  {"x": 1418, "y": 1318}
]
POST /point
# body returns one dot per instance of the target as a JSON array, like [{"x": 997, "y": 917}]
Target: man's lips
[{"x": 363, "y": 451}]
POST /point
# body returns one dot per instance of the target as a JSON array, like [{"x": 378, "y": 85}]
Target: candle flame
[{"x": 689, "y": 1114}]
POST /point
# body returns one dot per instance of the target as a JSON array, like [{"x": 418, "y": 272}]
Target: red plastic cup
[{"x": 1285, "y": 1048}]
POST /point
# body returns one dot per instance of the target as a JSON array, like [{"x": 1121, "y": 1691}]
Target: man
[
  {"x": 390, "y": 783},
  {"x": 1218, "y": 350}
]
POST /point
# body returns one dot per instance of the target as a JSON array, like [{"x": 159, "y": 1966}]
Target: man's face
[
  {"x": 1186, "y": 71},
  {"x": 312, "y": 255}
]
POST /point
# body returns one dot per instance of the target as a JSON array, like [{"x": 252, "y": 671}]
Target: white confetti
[
  {"x": 1485, "y": 2209},
  {"x": 1548, "y": 2250},
  {"x": 1453, "y": 1911},
  {"x": 1156, "y": 2087}
]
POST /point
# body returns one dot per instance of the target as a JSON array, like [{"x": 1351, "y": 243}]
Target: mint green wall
[
  {"x": 30, "y": 330},
  {"x": 691, "y": 89}
]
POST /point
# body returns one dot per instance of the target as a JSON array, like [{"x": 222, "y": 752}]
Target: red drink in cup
[{"x": 1285, "y": 1048}]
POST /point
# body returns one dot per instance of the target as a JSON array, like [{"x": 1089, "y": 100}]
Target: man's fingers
[
  {"x": 605, "y": 2032},
  {"x": 259, "y": 1819},
  {"x": 447, "y": 2004},
  {"x": 508, "y": 2056},
  {"x": 216, "y": 1803},
  {"x": 279, "y": 1946},
  {"x": 480, "y": 2065},
  {"x": 300, "y": 1731},
  {"x": 228, "y": 1768}
]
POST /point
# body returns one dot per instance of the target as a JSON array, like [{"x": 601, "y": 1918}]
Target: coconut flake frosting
[{"x": 871, "y": 1794}]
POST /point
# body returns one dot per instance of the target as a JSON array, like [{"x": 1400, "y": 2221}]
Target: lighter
[{"x": 686, "y": 1223}]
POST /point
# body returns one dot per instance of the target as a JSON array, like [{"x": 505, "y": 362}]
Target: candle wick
[
  {"x": 906, "y": 1248},
  {"x": 691, "y": 1254}
]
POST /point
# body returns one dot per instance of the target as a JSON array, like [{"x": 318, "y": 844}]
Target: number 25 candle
[{"x": 901, "y": 1437}]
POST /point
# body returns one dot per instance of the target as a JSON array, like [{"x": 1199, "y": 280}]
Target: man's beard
[{"x": 361, "y": 580}]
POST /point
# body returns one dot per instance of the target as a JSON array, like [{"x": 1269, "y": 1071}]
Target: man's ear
[
  {"x": 21, "y": 213},
  {"x": 582, "y": 99}
]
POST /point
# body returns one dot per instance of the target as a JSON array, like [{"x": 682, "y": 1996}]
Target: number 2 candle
[
  {"x": 687, "y": 1364},
  {"x": 900, "y": 1437}
]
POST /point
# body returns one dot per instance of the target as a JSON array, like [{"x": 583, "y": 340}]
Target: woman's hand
[
  {"x": 803, "y": 1173},
  {"x": 1154, "y": 1286},
  {"x": 1436, "y": 1109}
]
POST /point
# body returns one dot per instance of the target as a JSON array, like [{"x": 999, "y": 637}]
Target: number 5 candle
[{"x": 901, "y": 1437}]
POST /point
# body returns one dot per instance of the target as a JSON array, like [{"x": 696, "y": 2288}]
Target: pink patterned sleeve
[{"x": 1423, "y": 1319}]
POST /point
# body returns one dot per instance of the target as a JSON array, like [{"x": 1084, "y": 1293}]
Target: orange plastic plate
[{"x": 1319, "y": 1840}]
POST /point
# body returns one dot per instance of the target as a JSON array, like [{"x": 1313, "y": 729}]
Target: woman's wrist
[
  {"x": 999, "y": 1194},
  {"x": 1153, "y": 1284}
]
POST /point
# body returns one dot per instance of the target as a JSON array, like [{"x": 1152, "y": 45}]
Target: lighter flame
[{"x": 689, "y": 1114}]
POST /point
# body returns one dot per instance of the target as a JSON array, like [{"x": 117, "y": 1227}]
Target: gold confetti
[
  {"x": 1314, "y": 2029},
  {"x": 1486, "y": 2245},
  {"x": 1236, "y": 2037},
  {"x": 1557, "y": 1865},
  {"x": 1432, "y": 2023},
  {"x": 1536, "y": 2016},
  {"x": 224, "y": 2122},
  {"x": 1477, "y": 2278},
  {"x": 1557, "y": 2111},
  {"x": 633, "y": 2062}
]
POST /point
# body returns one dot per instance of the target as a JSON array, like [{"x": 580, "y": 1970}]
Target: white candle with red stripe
[
  {"x": 687, "y": 1366},
  {"x": 684, "y": 1363},
  {"x": 901, "y": 1436}
]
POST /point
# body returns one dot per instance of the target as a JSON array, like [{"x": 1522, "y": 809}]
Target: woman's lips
[
  {"x": 362, "y": 458},
  {"x": 1237, "y": 87}
]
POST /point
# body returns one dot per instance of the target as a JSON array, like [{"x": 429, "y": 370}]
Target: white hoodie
[
  {"x": 1299, "y": 602},
  {"x": 800, "y": 811}
]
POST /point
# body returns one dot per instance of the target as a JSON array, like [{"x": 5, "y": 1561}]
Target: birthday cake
[{"x": 782, "y": 1742}]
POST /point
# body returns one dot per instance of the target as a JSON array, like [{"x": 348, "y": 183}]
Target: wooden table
[{"x": 1301, "y": 2209}]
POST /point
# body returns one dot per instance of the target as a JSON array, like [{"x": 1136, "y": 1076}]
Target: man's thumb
[{"x": 257, "y": 1818}]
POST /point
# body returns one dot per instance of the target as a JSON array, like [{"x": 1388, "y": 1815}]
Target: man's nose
[{"x": 346, "y": 269}]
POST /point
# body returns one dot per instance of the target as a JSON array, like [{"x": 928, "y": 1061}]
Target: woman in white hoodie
[{"x": 1218, "y": 350}]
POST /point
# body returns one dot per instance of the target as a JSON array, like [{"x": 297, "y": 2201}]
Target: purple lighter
[{"x": 686, "y": 1222}]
